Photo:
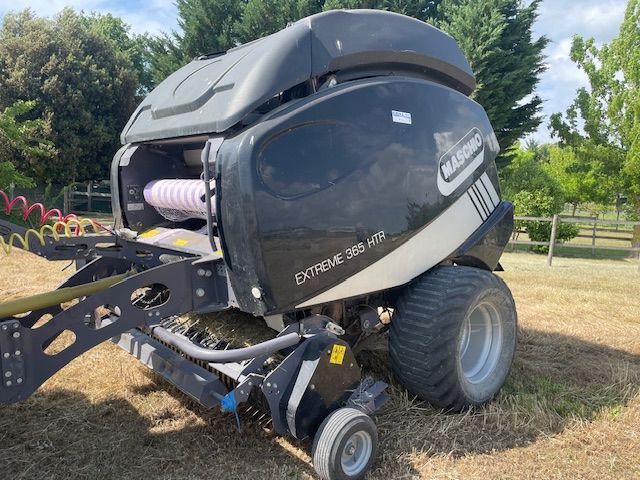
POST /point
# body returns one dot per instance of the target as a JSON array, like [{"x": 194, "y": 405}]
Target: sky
[{"x": 558, "y": 20}]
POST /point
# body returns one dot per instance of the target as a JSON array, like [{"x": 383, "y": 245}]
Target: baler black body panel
[
  {"x": 320, "y": 175},
  {"x": 215, "y": 92}
]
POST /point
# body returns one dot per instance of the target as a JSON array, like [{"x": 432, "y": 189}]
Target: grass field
[{"x": 571, "y": 408}]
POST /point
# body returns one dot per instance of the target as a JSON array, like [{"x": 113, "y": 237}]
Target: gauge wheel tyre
[
  {"x": 453, "y": 336},
  {"x": 345, "y": 445}
]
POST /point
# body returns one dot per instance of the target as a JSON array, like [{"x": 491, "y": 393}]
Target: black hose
[
  {"x": 207, "y": 192},
  {"x": 226, "y": 356}
]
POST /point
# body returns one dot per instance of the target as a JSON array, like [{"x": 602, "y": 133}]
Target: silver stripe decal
[
  {"x": 424, "y": 250},
  {"x": 478, "y": 209},
  {"x": 485, "y": 193},
  {"x": 492, "y": 190},
  {"x": 488, "y": 207}
]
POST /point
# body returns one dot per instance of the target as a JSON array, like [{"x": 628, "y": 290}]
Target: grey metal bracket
[
  {"x": 200, "y": 384},
  {"x": 275, "y": 383},
  {"x": 369, "y": 396},
  {"x": 241, "y": 393},
  {"x": 11, "y": 355}
]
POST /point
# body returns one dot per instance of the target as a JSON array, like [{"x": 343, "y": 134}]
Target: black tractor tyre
[{"x": 453, "y": 336}]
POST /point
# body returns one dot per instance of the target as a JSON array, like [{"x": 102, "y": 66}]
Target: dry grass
[{"x": 571, "y": 408}]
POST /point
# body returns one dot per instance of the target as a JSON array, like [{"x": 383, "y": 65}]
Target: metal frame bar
[
  {"x": 200, "y": 384},
  {"x": 90, "y": 246},
  {"x": 25, "y": 365}
]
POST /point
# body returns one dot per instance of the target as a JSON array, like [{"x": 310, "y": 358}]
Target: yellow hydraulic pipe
[{"x": 49, "y": 299}]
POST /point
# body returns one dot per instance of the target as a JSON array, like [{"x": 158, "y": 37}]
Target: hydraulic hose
[{"x": 225, "y": 356}]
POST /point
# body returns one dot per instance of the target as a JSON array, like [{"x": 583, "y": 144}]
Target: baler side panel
[{"x": 336, "y": 182}]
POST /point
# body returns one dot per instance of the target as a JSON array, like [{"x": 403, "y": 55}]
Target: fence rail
[
  {"x": 552, "y": 243},
  {"x": 87, "y": 197}
]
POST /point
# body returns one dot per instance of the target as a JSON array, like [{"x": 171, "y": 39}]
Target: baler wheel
[
  {"x": 453, "y": 336},
  {"x": 345, "y": 445}
]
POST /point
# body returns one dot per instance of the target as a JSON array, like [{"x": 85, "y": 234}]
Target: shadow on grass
[
  {"x": 556, "y": 381},
  {"x": 62, "y": 434}
]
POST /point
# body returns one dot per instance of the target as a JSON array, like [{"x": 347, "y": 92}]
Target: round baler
[{"x": 334, "y": 178}]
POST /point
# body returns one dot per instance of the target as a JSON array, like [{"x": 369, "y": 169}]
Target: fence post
[
  {"x": 65, "y": 201},
  {"x": 593, "y": 239},
  {"x": 12, "y": 190},
  {"x": 552, "y": 240},
  {"x": 89, "y": 192}
]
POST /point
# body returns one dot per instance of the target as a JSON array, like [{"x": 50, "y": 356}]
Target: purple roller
[{"x": 177, "y": 199}]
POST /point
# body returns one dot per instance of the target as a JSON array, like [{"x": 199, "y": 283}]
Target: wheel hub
[
  {"x": 356, "y": 453},
  {"x": 481, "y": 342}
]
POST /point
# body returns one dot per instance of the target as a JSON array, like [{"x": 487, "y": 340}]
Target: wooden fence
[
  {"x": 593, "y": 224},
  {"x": 87, "y": 198}
]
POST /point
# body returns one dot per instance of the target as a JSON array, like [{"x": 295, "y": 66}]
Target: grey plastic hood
[{"x": 211, "y": 95}]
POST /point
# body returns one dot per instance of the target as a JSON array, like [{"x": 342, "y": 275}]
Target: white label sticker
[
  {"x": 135, "y": 207},
  {"x": 401, "y": 117}
]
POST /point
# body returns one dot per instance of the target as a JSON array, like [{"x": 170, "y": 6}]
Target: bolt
[
  {"x": 19, "y": 380},
  {"x": 18, "y": 352},
  {"x": 8, "y": 374},
  {"x": 6, "y": 355},
  {"x": 351, "y": 449},
  {"x": 16, "y": 334},
  {"x": 257, "y": 294},
  {"x": 151, "y": 314},
  {"x": 157, "y": 314},
  {"x": 351, "y": 365},
  {"x": 4, "y": 327},
  {"x": 268, "y": 384},
  {"x": 275, "y": 385},
  {"x": 15, "y": 325},
  {"x": 8, "y": 384},
  {"x": 312, "y": 387},
  {"x": 200, "y": 292},
  {"x": 201, "y": 272},
  {"x": 208, "y": 273}
]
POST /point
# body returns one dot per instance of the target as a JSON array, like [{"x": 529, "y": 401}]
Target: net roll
[{"x": 178, "y": 199}]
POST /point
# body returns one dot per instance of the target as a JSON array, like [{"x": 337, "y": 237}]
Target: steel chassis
[{"x": 196, "y": 284}]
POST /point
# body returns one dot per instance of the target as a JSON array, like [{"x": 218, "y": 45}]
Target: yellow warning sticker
[
  {"x": 149, "y": 233},
  {"x": 337, "y": 354},
  {"x": 180, "y": 242}
]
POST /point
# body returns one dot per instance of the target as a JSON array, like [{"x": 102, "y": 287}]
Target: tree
[
  {"x": 207, "y": 26},
  {"x": 217, "y": 25},
  {"x": 421, "y": 9},
  {"x": 582, "y": 173},
  {"x": 20, "y": 139},
  {"x": 606, "y": 115},
  {"x": 264, "y": 17},
  {"x": 535, "y": 193},
  {"x": 133, "y": 47},
  {"x": 81, "y": 83},
  {"x": 497, "y": 39}
]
